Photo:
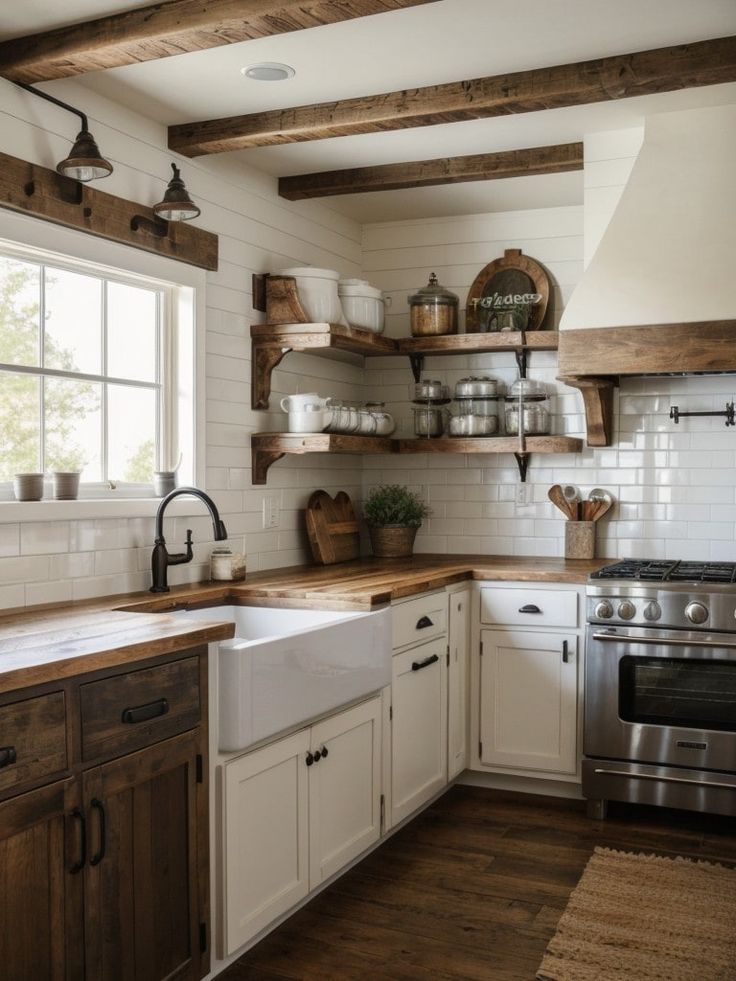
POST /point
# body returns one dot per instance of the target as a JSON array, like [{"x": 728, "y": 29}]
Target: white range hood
[{"x": 668, "y": 255}]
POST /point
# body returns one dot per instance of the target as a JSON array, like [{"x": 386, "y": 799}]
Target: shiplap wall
[
  {"x": 674, "y": 486},
  {"x": 61, "y": 560}
]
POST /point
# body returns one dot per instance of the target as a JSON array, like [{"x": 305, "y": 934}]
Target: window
[{"x": 89, "y": 373}]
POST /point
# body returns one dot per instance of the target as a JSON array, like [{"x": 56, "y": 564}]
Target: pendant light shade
[
  {"x": 176, "y": 205},
  {"x": 85, "y": 162}
]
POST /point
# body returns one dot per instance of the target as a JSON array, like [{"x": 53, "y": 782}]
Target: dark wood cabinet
[
  {"x": 104, "y": 874},
  {"x": 40, "y": 924}
]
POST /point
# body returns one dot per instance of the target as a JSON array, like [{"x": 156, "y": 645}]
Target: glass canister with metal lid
[
  {"x": 433, "y": 310},
  {"x": 528, "y": 399}
]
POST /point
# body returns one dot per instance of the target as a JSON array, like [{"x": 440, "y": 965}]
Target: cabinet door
[
  {"x": 528, "y": 704},
  {"x": 344, "y": 789},
  {"x": 418, "y": 727},
  {"x": 457, "y": 684},
  {"x": 142, "y": 898},
  {"x": 40, "y": 935},
  {"x": 265, "y": 867}
]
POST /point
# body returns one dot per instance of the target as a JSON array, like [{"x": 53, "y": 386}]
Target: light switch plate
[
  {"x": 271, "y": 512},
  {"x": 523, "y": 494}
]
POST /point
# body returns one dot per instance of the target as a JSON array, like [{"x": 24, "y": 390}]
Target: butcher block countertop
[{"x": 42, "y": 644}]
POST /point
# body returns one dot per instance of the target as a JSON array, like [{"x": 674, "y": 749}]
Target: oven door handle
[
  {"x": 665, "y": 779},
  {"x": 664, "y": 642}
]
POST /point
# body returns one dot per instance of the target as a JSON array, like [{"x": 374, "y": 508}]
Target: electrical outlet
[
  {"x": 271, "y": 512},
  {"x": 523, "y": 494}
]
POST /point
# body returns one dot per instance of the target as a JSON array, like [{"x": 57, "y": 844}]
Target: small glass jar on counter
[
  {"x": 528, "y": 399},
  {"x": 226, "y": 565}
]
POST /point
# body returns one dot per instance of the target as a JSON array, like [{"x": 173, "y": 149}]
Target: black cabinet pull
[
  {"x": 530, "y": 608},
  {"x": 78, "y": 866},
  {"x": 565, "y": 652},
  {"x": 7, "y": 756},
  {"x": 317, "y": 756},
  {"x": 324, "y": 752},
  {"x": 310, "y": 759},
  {"x": 418, "y": 665},
  {"x": 423, "y": 623},
  {"x": 98, "y": 806},
  {"x": 142, "y": 713}
]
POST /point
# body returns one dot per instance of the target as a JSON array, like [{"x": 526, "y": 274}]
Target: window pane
[
  {"x": 131, "y": 332},
  {"x": 73, "y": 325},
  {"x": 20, "y": 291},
  {"x": 73, "y": 427},
  {"x": 20, "y": 414},
  {"x": 131, "y": 428}
]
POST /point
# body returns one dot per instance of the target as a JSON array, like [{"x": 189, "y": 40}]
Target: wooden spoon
[{"x": 558, "y": 499}]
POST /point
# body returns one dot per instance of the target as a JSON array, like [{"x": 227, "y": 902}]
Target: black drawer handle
[
  {"x": 97, "y": 805},
  {"x": 142, "y": 713},
  {"x": 530, "y": 608},
  {"x": 424, "y": 622},
  {"x": 565, "y": 652},
  {"x": 418, "y": 665},
  {"x": 7, "y": 756},
  {"x": 79, "y": 865},
  {"x": 309, "y": 760}
]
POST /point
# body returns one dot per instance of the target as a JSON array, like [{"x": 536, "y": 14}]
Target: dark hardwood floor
[{"x": 472, "y": 888}]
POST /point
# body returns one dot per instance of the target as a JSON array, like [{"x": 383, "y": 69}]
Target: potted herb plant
[{"x": 393, "y": 514}]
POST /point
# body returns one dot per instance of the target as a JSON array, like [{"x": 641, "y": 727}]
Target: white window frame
[{"x": 38, "y": 241}]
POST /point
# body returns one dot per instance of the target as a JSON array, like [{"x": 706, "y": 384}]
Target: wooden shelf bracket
[{"x": 598, "y": 402}]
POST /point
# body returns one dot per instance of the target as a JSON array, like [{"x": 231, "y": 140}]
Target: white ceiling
[{"x": 429, "y": 44}]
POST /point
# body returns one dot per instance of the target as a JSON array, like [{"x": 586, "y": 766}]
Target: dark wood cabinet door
[
  {"x": 41, "y": 912},
  {"x": 146, "y": 869}
]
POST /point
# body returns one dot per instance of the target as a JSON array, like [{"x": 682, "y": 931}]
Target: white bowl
[
  {"x": 317, "y": 290},
  {"x": 362, "y": 304}
]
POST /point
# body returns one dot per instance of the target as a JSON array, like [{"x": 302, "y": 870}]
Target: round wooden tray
[{"x": 512, "y": 273}]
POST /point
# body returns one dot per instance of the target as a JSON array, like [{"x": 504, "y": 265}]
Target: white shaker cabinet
[
  {"x": 344, "y": 789},
  {"x": 293, "y": 818},
  {"x": 418, "y": 727},
  {"x": 528, "y": 700},
  {"x": 265, "y": 862},
  {"x": 457, "y": 683}
]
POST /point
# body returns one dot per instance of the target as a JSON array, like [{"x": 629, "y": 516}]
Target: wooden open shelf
[
  {"x": 518, "y": 340},
  {"x": 267, "y": 448},
  {"x": 271, "y": 343},
  {"x": 491, "y": 444}
]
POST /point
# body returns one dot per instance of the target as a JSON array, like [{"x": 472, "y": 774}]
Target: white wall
[
  {"x": 60, "y": 560},
  {"x": 675, "y": 485}
]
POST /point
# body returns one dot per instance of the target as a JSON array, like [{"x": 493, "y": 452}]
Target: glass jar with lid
[
  {"x": 433, "y": 310},
  {"x": 529, "y": 400}
]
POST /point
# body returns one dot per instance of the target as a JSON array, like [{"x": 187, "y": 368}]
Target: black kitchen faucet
[{"x": 160, "y": 557}]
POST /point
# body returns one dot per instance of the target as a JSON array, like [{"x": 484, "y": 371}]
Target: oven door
[{"x": 664, "y": 697}]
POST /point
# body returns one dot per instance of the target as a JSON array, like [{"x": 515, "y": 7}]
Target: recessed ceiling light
[{"x": 268, "y": 71}]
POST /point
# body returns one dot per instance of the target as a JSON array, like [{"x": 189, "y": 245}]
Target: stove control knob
[
  {"x": 696, "y": 612},
  {"x": 652, "y": 611},
  {"x": 604, "y": 610},
  {"x": 626, "y": 610}
]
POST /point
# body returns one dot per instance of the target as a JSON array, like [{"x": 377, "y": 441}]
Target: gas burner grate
[{"x": 643, "y": 570}]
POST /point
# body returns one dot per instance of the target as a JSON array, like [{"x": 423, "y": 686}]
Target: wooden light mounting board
[{"x": 42, "y": 193}]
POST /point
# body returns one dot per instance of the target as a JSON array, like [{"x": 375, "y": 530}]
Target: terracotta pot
[{"x": 392, "y": 541}]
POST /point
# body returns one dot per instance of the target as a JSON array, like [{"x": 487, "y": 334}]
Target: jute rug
[{"x": 645, "y": 918}]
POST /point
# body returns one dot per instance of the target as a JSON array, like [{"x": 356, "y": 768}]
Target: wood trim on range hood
[{"x": 592, "y": 360}]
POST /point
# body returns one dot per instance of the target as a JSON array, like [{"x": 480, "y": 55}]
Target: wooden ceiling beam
[
  {"x": 618, "y": 77},
  {"x": 557, "y": 159},
  {"x": 171, "y": 28}
]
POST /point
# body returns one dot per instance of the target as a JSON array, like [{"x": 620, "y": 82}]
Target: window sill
[{"x": 132, "y": 507}]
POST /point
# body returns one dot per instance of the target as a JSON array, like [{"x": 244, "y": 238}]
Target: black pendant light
[
  {"x": 176, "y": 205},
  {"x": 85, "y": 162}
]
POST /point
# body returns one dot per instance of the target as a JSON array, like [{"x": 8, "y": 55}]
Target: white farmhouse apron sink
[{"x": 285, "y": 667}]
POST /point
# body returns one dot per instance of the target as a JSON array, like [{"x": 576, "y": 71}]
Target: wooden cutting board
[{"x": 332, "y": 528}]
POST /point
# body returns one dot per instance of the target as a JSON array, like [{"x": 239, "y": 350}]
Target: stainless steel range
[{"x": 660, "y": 687}]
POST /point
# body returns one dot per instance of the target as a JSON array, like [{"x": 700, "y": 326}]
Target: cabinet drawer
[
  {"x": 32, "y": 740},
  {"x": 529, "y": 607},
  {"x": 136, "y": 709},
  {"x": 419, "y": 620}
]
